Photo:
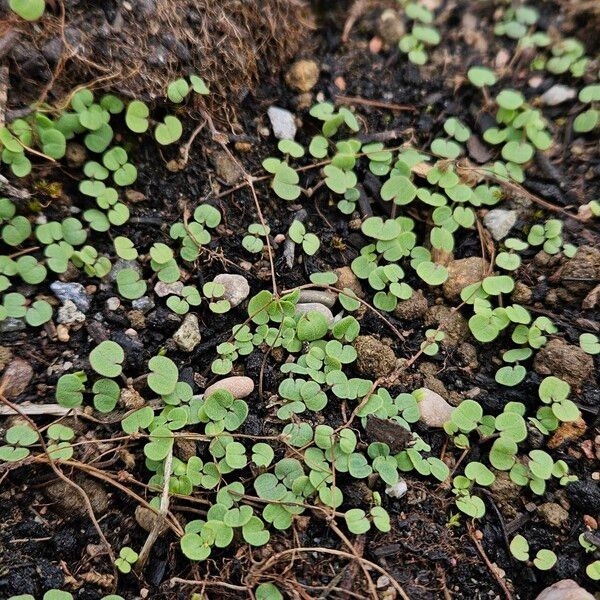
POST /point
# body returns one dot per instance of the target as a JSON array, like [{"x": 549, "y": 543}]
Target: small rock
[
  {"x": 146, "y": 519},
  {"x": 187, "y": 337},
  {"x": 303, "y": 75},
  {"x": 391, "y": 27},
  {"x": 113, "y": 303},
  {"x": 397, "y": 490},
  {"x": 455, "y": 326},
  {"x": 522, "y": 294},
  {"x": 478, "y": 150},
  {"x": 302, "y": 309},
  {"x": 374, "y": 359},
  {"x": 566, "y": 589},
  {"x": 464, "y": 272},
  {"x": 16, "y": 378},
  {"x": 585, "y": 267},
  {"x": 11, "y": 324},
  {"x": 506, "y": 493},
  {"x": 347, "y": 279},
  {"x": 68, "y": 314},
  {"x": 282, "y": 122},
  {"x": 413, "y": 308},
  {"x": 74, "y": 292},
  {"x": 238, "y": 385},
  {"x": 68, "y": 501},
  {"x": 565, "y": 361},
  {"x": 62, "y": 333},
  {"x": 144, "y": 304},
  {"x": 163, "y": 289},
  {"x": 435, "y": 411},
  {"x": 324, "y": 297},
  {"x": 236, "y": 287},
  {"x": 567, "y": 432},
  {"x": 121, "y": 264},
  {"x": 137, "y": 319},
  {"x": 226, "y": 168},
  {"x": 499, "y": 222},
  {"x": 557, "y": 94},
  {"x": 553, "y": 514}
]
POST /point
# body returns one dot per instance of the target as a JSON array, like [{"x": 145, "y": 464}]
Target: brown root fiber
[{"x": 136, "y": 48}]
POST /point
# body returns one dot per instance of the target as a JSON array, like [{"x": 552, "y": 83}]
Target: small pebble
[
  {"x": 236, "y": 287},
  {"x": 163, "y": 289},
  {"x": 324, "y": 297},
  {"x": 144, "y": 304},
  {"x": 303, "y": 75},
  {"x": 74, "y": 292},
  {"x": 11, "y": 324},
  {"x": 435, "y": 411},
  {"x": 499, "y": 222},
  {"x": 397, "y": 490},
  {"x": 187, "y": 337},
  {"x": 113, "y": 303},
  {"x": 282, "y": 122},
  {"x": 239, "y": 386},
  {"x": 62, "y": 333},
  {"x": 16, "y": 378},
  {"x": 302, "y": 309},
  {"x": 557, "y": 94},
  {"x": 565, "y": 589},
  {"x": 68, "y": 314}
]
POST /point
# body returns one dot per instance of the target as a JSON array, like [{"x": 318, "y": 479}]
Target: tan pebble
[
  {"x": 375, "y": 45},
  {"x": 62, "y": 333},
  {"x": 340, "y": 82},
  {"x": 238, "y": 385}
]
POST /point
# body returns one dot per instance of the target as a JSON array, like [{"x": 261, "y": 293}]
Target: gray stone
[
  {"x": 68, "y": 314},
  {"x": 565, "y": 589},
  {"x": 282, "y": 122},
  {"x": 435, "y": 411},
  {"x": 187, "y": 337},
  {"x": 557, "y": 94},
  {"x": 499, "y": 222},
  {"x": 321, "y": 296},
  {"x": 11, "y": 324},
  {"x": 144, "y": 304},
  {"x": 302, "y": 309},
  {"x": 236, "y": 287},
  {"x": 113, "y": 303},
  {"x": 237, "y": 385},
  {"x": 71, "y": 291}
]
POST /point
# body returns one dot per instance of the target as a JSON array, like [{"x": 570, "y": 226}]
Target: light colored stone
[
  {"x": 464, "y": 272},
  {"x": 121, "y": 264},
  {"x": 302, "y": 309},
  {"x": 435, "y": 411},
  {"x": 557, "y": 94},
  {"x": 236, "y": 287},
  {"x": 187, "y": 337},
  {"x": 163, "y": 289},
  {"x": 565, "y": 589},
  {"x": 238, "y": 385},
  {"x": 303, "y": 75},
  {"x": 144, "y": 304},
  {"x": 68, "y": 314},
  {"x": 282, "y": 122},
  {"x": 397, "y": 490},
  {"x": 113, "y": 303},
  {"x": 499, "y": 222},
  {"x": 321, "y": 296}
]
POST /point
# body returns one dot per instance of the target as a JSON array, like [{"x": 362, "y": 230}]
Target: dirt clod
[
  {"x": 303, "y": 75},
  {"x": 374, "y": 359},
  {"x": 565, "y": 361},
  {"x": 464, "y": 272}
]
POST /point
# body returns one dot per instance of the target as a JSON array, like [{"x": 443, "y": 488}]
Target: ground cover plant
[{"x": 347, "y": 347}]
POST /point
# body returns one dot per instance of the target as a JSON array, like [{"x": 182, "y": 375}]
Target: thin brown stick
[
  {"x": 160, "y": 517},
  {"x": 375, "y": 103},
  {"x": 487, "y": 562}
]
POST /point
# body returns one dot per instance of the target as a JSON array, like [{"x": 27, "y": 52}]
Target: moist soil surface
[{"x": 430, "y": 552}]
